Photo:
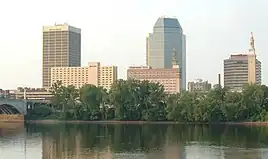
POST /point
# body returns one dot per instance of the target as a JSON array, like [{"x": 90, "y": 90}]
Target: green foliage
[
  {"x": 39, "y": 112},
  {"x": 143, "y": 100},
  {"x": 220, "y": 105},
  {"x": 136, "y": 100},
  {"x": 91, "y": 97}
]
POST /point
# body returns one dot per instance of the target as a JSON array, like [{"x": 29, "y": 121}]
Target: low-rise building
[
  {"x": 4, "y": 93},
  {"x": 36, "y": 94},
  {"x": 199, "y": 86},
  {"x": 170, "y": 78}
]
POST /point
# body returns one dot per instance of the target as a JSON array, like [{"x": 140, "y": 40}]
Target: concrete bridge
[{"x": 17, "y": 106}]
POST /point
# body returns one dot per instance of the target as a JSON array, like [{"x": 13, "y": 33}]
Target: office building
[
  {"x": 95, "y": 74},
  {"x": 241, "y": 69},
  {"x": 168, "y": 77},
  {"x": 61, "y": 48},
  {"x": 167, "y": 35},
  {"x": 199, "y": 86}
]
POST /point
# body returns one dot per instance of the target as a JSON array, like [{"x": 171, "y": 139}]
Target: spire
[
  {"x": 174, "y": 60},
  {"x": 252, "y": 47}
]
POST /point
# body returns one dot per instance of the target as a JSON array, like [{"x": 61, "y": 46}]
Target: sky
[{"x": 114, "y": 33}]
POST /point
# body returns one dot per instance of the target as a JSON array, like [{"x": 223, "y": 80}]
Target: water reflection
[
  {"x": 108, "y": 141},
  {"x": 93, "y": 141}
]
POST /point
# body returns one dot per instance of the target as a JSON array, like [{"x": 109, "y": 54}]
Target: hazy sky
[{"x": 114, "y": 32}]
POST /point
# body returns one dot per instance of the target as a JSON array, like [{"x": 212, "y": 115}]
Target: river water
[{"x": 154, "y": 141}]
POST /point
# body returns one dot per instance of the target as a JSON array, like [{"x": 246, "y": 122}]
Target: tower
[
  {"x": 61, "y": 48},
  {"x": 252, "y": 45},
  {"x": 252, "y": 62},
  {"x": 167, "y": 35}
]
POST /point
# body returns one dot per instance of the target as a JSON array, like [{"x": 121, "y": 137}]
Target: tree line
[{"x": 134, "y": 100}]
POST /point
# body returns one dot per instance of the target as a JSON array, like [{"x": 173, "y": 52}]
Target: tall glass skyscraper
[{"x": 167, "y": 36}]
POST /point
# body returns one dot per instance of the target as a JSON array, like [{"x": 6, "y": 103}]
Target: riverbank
[
  {"x": 11, "y": 118},
  {"x": 143, "y": 122}
]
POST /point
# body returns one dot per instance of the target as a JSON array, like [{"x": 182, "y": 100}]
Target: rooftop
[{"x": 167, "y": 22}]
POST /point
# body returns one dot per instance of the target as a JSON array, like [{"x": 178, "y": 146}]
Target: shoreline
[{"x": 143, "y": 122}]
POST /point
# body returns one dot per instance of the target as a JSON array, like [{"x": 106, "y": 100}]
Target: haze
[{"x": 114, "y": 32}]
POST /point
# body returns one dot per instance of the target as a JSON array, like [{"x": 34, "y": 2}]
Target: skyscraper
[
  {"x": 241, "y": 69},
  {"x": 167, "y": 36},
  {"x": 61, "y": 48}
]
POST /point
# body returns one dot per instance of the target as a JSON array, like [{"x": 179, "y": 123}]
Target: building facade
[
  {"x": 167, "y": 36},
  {"x": 5, "y": 94},
  {"x": 241, "y": 69},
  {"x": 36, "y": 94},
  {"x": 95, "y": 74},
  {"x": 61, "y": 48},
  {"x": 199, "y": 86},
  {"x": 168, "y": 77}
]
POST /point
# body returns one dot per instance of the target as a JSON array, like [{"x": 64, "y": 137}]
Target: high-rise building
[
  {"x": 94, "y": 74},
  {"x": 199, "y": 86},
  {"x": 168, "y": 77},
  {"x": 61, "y": 48},
  {"x": 241, "y": 69},
  {"x": 167, "y": 35}
]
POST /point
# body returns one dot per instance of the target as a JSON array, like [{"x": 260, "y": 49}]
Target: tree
[
  {"x": 136, "y": 100},
  {"x": 143, "y": 100},
  {"x": 152, "y": 101},
  {"x": 64, "y": 98},
  {"x": 91, "y": 98},
  {"x": 57, "y": 95}
]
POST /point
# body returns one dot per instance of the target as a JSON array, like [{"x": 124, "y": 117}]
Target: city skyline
[{"x": 209, "y": 40}]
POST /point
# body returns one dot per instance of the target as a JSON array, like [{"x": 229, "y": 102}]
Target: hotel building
[
  {"x": 95, "y": 74},
  {"x": 168, "y": 77},
  {"x": 61, "y": 48},
  {"x": 241, "y": 69}
]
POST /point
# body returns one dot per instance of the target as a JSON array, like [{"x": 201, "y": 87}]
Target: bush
[{"x": 41, "y": 111}]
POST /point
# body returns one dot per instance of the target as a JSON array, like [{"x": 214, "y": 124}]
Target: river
[{"x": 121, "y": 141}]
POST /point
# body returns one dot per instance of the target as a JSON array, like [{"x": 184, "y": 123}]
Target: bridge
[{"x": 17, "y": 106}]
